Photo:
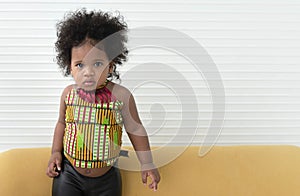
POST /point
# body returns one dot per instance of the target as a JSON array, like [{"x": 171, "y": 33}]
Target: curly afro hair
[{"x": 78, "y": 26}]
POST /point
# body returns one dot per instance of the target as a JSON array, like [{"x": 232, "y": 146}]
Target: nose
[{"x": 89, "y": 71}]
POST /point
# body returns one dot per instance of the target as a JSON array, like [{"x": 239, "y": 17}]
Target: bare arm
[
  {"x": 139, "y": 139},
  {"x": 135, "y": 130},
  {"x": 57, "y": 145}
]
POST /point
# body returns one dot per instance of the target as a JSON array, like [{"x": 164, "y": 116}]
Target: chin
[{"x": 89, "y": 88}]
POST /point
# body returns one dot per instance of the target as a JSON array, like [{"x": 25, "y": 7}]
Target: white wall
[{"x": 255, "y": 45}]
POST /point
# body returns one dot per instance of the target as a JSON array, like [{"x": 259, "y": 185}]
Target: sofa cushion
[
  {"x": 230, "y": 170},
  {"x": 23, "y": 172}
]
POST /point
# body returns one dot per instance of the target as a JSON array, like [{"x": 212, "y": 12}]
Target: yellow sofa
[{"x": 224, "y": 171}]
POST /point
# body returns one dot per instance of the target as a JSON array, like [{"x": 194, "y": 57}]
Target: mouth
[{"x": 89, "y": 83}]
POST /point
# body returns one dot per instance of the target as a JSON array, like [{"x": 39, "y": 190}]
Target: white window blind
[{"x": 254, "y": 44}]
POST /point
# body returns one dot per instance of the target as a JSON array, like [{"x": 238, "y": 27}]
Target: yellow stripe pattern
[{"x": 93, "y": 133}]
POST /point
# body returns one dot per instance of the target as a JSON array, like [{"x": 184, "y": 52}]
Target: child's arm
[
  {"x": 54, "y": 164},
  {"x": 139, "y": 139}
]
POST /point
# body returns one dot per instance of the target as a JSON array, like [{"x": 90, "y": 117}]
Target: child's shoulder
[
  {"x": 67, "y": 90},
  {"x": 119, "y": 91}
]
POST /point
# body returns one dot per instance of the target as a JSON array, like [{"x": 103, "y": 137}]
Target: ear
[{"x": 111, "y": 68}]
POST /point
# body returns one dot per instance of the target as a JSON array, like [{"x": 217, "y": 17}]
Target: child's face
[{"x": 89, "y": 66}]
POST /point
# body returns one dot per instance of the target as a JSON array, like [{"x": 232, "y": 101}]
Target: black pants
[{"x": 71, "y": 183}]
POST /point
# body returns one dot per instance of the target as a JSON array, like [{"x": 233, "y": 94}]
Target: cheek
[
  {"x": 76, "y": 74},
  {"x": 73, "y": 71},
  {"x": 102, "y": 73}
]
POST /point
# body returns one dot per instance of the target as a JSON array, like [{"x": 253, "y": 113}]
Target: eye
[
  {"x": 98, "y": 64},
  {"x": 79, "y": 65}
]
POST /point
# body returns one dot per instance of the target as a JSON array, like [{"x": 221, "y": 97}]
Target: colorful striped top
[{"x": 93, "y": 133}]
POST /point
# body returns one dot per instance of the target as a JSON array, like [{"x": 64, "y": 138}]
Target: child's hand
[
  {"x": 150, "y": 170},
  {"x": 54, "y": 165}
]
